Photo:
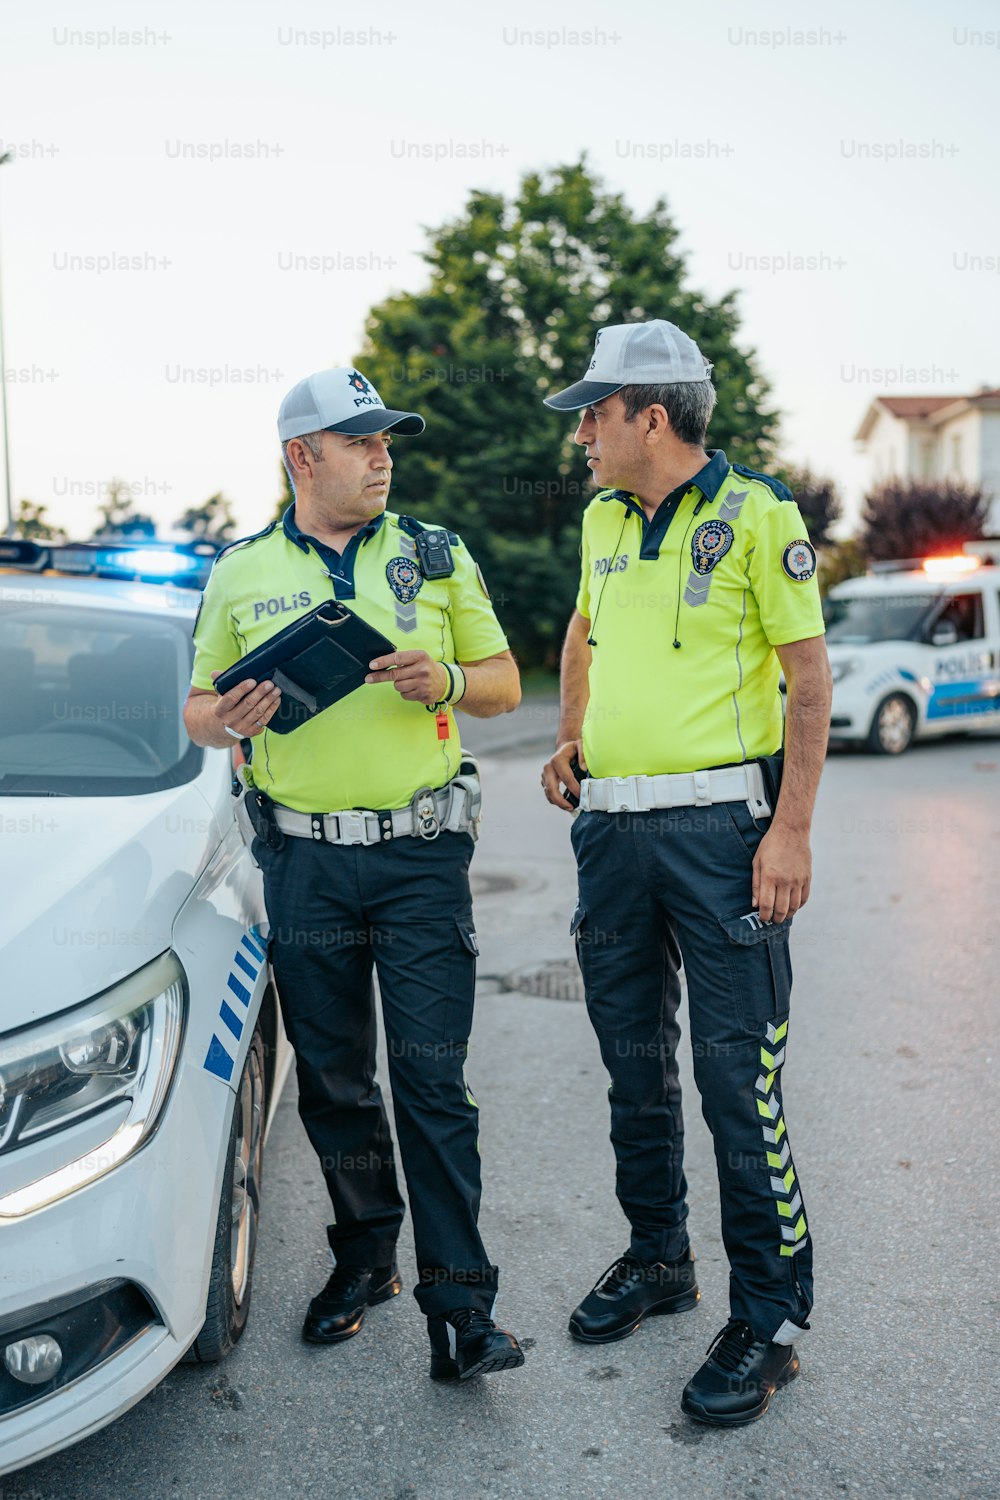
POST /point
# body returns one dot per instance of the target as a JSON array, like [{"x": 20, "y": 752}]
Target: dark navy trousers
[
  {"x": 403, "y": 909},
  {"x": 659, "y": 890}
]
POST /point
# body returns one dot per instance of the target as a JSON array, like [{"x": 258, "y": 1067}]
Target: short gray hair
[
  {"x": 312, "y": 440},
  {"x": 688, "y": 404}
]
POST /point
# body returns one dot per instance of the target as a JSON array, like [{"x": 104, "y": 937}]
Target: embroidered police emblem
[
  {"x": 358, "y": 383},
  {"x": 405, "y": 578},
  {"x": 799, "y": 560},
  {"x": 711, "y": 541}
]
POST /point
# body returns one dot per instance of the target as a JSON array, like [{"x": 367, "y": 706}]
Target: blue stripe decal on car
[
  {"x": 978, "y": 695},
  {"x": 255, "y": 946},
  {"x": 232, "y": 1020},
  {"x": 247, "y": 968},
  {"x": 239, "y": 990},
  {"x": 218, "y": 1060}
]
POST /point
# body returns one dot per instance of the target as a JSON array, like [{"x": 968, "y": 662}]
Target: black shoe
[
  {"x": 339, "y": 1310},
  {"x": 467, "y": 1342},
  {"x": 738, "y": 1379},
  {"x": 629, "y": 1291}
]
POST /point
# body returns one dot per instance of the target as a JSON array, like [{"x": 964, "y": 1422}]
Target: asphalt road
[{"x": 890, "y": 1090}]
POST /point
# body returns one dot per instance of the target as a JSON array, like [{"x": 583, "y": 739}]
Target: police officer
[
  {"x": 365, "y": 819},
  {"x": 697, "y": 587}
]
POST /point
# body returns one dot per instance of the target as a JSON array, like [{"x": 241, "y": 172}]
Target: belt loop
[
  {"x": 318, "y": 827},
  {"x": 756, "y": 798},
  {"x": 702, "y": 789}
]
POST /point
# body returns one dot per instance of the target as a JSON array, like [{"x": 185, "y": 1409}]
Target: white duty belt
[
  {"x": 681, "y": 789},
  {"x": 454, "y": 808}
]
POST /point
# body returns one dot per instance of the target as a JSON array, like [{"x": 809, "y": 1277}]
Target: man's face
[
  {"x": 614, "y": 451},
  {"x": 351, "y": 484}
]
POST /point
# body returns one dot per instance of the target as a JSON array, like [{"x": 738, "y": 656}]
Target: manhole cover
[{"x": 555, "y": 981}]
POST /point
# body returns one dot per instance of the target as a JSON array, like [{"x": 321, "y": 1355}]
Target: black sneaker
[
  {"x": 738, "y": 1379},
  {"x": 467, "y": 1342},
  {"x": 629, "y": 1291},
  {"x": 339, "y": 1310}
]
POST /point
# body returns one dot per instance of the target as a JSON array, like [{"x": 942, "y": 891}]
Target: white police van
[
  {"x": 141, "y": 1046},
  {"x": 915, "y": 651}
]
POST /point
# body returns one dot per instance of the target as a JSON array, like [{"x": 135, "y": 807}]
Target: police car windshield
[
  {"x": 868, "y": 619},
  {"x": 92, "y": 701}
]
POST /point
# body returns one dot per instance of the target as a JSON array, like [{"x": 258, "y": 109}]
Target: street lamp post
[{"x": 9, "y": 529}]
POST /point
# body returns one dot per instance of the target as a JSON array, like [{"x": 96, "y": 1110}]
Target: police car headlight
[
  {"x": 114, "y": 1056},
  {"x": 841, "y": 669}
]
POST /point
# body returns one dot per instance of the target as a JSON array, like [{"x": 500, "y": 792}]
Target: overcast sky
[{"x": 861, "y": 138}]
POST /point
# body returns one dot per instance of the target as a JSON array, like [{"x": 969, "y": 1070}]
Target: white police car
[
  {"x": 141, "y": 1047},
  {"x": 915, "y": 651}
]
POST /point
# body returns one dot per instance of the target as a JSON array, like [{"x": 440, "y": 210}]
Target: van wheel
[
  {"x": 893, "y": 725},
  {"x": 231, "y": 1280}
]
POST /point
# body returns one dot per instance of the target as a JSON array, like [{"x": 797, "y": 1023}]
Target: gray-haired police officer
[
  {"x": 366, "y": 817},
  {"x": 697, "y": 580}
]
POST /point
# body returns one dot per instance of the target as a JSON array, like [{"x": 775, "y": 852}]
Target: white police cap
[
  {"x": 653, "y": 353},
  {"x": 341, "y": 400}
]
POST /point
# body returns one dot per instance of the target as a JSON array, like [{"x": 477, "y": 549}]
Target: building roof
[{"x": 931, "y": 409}]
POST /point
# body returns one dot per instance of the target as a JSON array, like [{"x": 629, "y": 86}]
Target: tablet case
[{"x": 315, "y": 662}]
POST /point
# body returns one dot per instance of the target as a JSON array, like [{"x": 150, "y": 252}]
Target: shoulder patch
[
  {"x": 780, "y": 491},
  {"x": 244, "y": 541},
  {"x": 799, "y": 560}
]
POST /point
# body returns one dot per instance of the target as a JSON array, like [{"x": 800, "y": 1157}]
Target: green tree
[
  {"x": 840, "y": 561},
  {"x": 32, "y": 525},
  {"x": 818, "y": 500},
  {"x": 516, "y": 292},
  {"x": 917, "y": 518},
  {"x": 119, "y": 519},
  {"x": 213, "y": 520}
]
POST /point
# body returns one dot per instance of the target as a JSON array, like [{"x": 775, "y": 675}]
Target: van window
[
  {"x": 869, "y": 618},
  {"x": 965, "y": 612}
]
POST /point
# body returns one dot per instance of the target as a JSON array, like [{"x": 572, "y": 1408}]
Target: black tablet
[{"x": 315, "y": 662}]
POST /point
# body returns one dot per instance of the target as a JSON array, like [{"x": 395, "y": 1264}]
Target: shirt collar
[
  {"x": 302, "y": 539},
  {"x": 709, "y": 478}
]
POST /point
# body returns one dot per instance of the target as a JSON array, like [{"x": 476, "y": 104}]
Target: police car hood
[{"x": 91, "y": 889}]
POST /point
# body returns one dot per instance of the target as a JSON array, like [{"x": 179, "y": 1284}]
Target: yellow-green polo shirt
[
  {"x": 686, "y": 611},
  {"x": 372, "y": 749}
]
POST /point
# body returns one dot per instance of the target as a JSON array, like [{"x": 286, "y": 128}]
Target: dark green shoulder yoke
[
  {"x": 413, "y": 527},
  {"x": 244, "y": 541},
  {"x": 781, "y": 491}
]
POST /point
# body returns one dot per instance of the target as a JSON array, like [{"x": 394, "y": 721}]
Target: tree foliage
[
  {"x": 119, "y": 519},
  {"x": 818, "y": 500},
  {"x": 213, "y": 520},
  {"x": 915, "y": 518},
  {"x": 516, "y": 292},
  {"x": 31, "y": 523}
]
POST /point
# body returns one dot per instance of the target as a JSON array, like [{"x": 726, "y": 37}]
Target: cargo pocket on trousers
[
  {"x": 760, "y": 965},
  {"x": 462, "y": 981},
  {"x": 578, "y": 933}
]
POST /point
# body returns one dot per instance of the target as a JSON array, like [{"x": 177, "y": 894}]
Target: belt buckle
[
  {"x": 620, "y": 786},
  {"x": 351, "y": 827}
]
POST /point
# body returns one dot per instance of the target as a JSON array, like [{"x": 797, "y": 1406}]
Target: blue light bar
[
  {"x": 150, "y": 562},
  {"x": 186, "y": 564}
]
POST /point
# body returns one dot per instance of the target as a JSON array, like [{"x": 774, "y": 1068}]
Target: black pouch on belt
[
  {"x": 261, "y": 810},
  {"x": 771, "y": 767}
]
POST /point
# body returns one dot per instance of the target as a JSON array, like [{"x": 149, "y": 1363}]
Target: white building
[{"x": 936, "y": 437}]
